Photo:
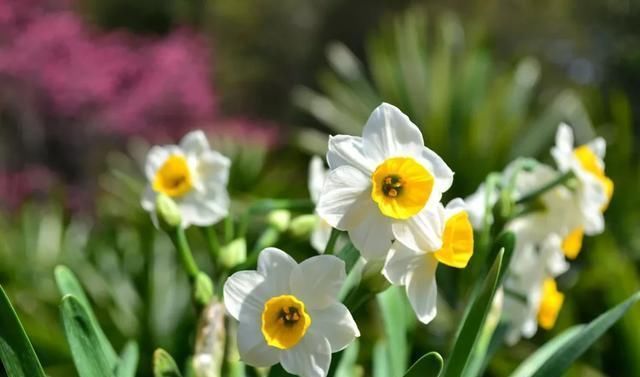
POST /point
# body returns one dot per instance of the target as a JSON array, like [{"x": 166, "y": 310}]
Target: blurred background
[{"x": 87, "y": 85}]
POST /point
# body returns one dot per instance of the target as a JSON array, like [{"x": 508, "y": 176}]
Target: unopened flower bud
[
  {"x": 301, "y": 226},
  {"x": 210, "y": 341},
  {"x": 233, "y": 253},
  {"x": 163, "y": 364},
  {"x": 202, "y": 289},
  {"x": 168, "y": 212},
  {"x": 279, "y": 219}
]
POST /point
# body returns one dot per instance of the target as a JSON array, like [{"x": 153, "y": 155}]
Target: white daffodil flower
[
  {"x": 594, "y": 188},
  {"x": 193, "y": 175},
  {"x": 289, "y": 313},
  {"x": 531, "y": 296},
  {"x": 559, "y": 211},
  {"x": 322, "y": 230},
  {"x": 383, "y": 185},
  {"x": 416, "y": 270}
]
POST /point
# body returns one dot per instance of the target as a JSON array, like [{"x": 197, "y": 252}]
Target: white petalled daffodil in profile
[
  {"x": 193, "y": 175},
  {"x": 594, "y": 188},
  {"x": 322, "y": 231},
  {"x": 416, "y": 270},
  {"x": 383, "y": 185},
  {"x": 531, "y": 296},
  {"x": 290, "y": 313}
]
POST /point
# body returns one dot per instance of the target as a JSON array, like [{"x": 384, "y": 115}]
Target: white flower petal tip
[
  {"x": 192, "y": 175},
  {"x": 290, "y": 313},
  {"x": 382, "y": 184}
]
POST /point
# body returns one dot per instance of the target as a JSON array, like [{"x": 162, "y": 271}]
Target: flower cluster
[
  {"x": 384, "y": 189},
  {"x": 569, "y": 203}
]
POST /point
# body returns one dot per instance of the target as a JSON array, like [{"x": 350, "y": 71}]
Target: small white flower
[
  {"x": 382, "y": 185},
  {"x": 193, "y": 175},
  {"x": 594, "y": 188},
  {"x": 289, "y": 312},
  {"x": 322, "y": 231},
  {"x": 416, "y": 270},
  {"x": 531, "y": 296}
]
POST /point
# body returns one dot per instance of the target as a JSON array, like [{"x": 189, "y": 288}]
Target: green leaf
[
  {"x": 88, "y": 355},
  {"x": 535, "y": 360},
  {"x": 428, "y": 365},
  {"x": 474, "y": 319},
  {"x": 350, "y": 255},
  {"x": 394, "y": 315},
  {"x": 16, "y": 352},
  {"x": 128, "y": 360},
  {"x": 68, "y": 284},
  {"x": 164, "y": 365},
  {"x": 347, "y": 364},
  {"x": 562, "y": 359}
]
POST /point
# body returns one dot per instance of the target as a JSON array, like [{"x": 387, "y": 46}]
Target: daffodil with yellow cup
[
  {"x": 193, "y": 175},
  {"x": 289, "y": 313},
  {"x": 416, "y": 269},
  {"x": 384, "y": 185}
]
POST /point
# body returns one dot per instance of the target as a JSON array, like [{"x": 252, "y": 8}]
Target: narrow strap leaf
[
  {"x": 16, "y": 352},
  {"x": 68, "y": 284},
  {"x": 561, "y": 360},
  {"x": 88, "y": 355},
  {"x": 474, "y": 320},
  {"x": 164, "y": 365},
  {"x": 429, "y": 365},
  {"x": 536, "y": 359},
  {"x": 128, "y": 360}
]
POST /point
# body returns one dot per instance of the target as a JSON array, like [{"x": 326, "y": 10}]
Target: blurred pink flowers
[{"x": 119, "y": 82}]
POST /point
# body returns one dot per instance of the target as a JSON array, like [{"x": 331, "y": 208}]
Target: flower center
[
  {"x": 174, "y": 177},
  {"x": 401, "y": 187},
  {"x": 572, "y": 243},
  {"x": 589, "y": 162},
  {"x": 550, "y": 304},
  {"x": 457, "y": 241},
  {"x": 284, "y": 321}
]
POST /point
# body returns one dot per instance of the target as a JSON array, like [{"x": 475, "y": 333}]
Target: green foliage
[
  {"x": 164, "y": 365},
  {"x": 88, "y": 354},
  {"x": 16, "y": 352},
  {"x": 467, "y": 105},
  {"x": 471, "y": 325},
  {"x": 429, "y": 365}
]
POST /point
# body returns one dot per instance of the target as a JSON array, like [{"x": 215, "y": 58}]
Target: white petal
[
  {"x": 371, "y": 234},
  {"x": 599, "y": 147},
  {"x": 347, "y": 150},
  {"x": 309, "y": 358},
  {"x": 400, "y": 263},
  {"x": 244, "y": 294},
  {"x": 317, "y": 174},
  {"x": 564, "y": 137},
  {"x": 317, "y": 280},
  {"x": 148, "y": 200},
  {"x": 213, "y": 168},
  {"x": 336, "y": 324},
  {"x": 204, "y": 209},
  {"x": 155, "y": 158},
  {"x": 194, "y": 143},
  {"x": 252, "y": 347},
  {"x": 390, "y": 133},
  {"x": 455, "y": 206},
  {"x": 342, "y": 187},
  {"x": 441, "y": 171},
  {"x": 276, "y": 266},
  {"x": 320, "y": 236},
  {"x": 422, "y": 290},
  {"x": 423, "y": 231}
]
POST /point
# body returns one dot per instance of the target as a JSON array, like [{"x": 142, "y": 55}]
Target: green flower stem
[
  {"x": 333, "y": 238},
  {"x": 212, "y": 241},
  {"x": 561, "y": 179},
  {"x": 179, "y": 239},
  {"x": 228, "y": 229}
]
